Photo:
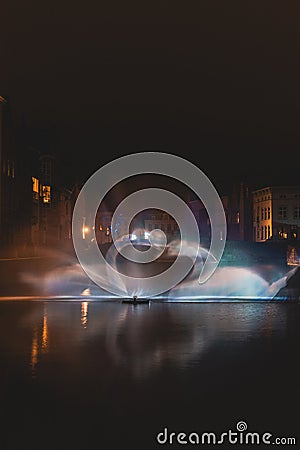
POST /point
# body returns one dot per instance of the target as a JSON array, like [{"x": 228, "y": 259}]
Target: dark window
[
  {"x": 282, "y": 212},
  {"x": 297, "y": 212}
]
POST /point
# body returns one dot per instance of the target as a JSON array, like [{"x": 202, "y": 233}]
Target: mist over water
[
  {"x": 237, "y": 280},
  {"x": 231, "y": 283}
]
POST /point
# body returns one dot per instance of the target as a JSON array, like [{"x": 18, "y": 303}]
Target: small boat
[{"x": 136, "y": 301}]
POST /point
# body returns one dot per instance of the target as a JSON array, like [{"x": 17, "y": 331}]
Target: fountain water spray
[
  {"x": 102, "y": 181},
  {"x": 194, "y": 274}
]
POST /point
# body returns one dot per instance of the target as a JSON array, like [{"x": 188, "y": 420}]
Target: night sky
[{"x": 217, "y": 82}]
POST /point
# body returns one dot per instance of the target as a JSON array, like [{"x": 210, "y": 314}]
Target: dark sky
[{"x": 217, "y": 82}]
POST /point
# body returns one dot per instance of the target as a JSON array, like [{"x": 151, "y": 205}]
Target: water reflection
[
  {"x": 143, "y": 339},
  {"x": 40, "y": 342},
  {"x": 84, "y": 314},
  {"x": 34, "y": 351},
  {"x": 118, "y": 371},
  {"x": 45, "y": 334}
]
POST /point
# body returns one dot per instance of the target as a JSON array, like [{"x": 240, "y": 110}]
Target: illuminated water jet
[
  {"x": 136, "y": 301},
  {"x": 249, "y": 281}
]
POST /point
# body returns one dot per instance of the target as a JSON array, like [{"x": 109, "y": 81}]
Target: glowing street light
[{"x": 85, "y": 230}]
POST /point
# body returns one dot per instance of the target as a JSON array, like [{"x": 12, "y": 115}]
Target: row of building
[
  {"x": 270, "y": 213},
  {"x": 36, "y": 208}
]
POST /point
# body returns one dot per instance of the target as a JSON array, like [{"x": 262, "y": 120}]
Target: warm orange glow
[
  {"x": 46, "y": 194},
  {"x": 34, "y": 351},
  {"x": 45, "y": 337},
  {"x": 293, "y": 258},
  {"x": 35, "y": 184},
  {"x": 35, "y": 187},
  {"x": 84, "y": 231},
  {"x": 84, "y": 314}
]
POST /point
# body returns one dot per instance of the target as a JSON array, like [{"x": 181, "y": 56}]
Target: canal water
[{"x": 85, "y": 374}]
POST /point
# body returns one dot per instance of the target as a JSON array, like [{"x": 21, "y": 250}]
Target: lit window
[
  {"x": 294, "y": 231},
  {"x": 35, "y": 187},
  {"x": 46, "y": 194},
  {"x": 101, "y": 227}
]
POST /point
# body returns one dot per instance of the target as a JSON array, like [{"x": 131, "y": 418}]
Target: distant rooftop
[{"x": 277, "y": 188}]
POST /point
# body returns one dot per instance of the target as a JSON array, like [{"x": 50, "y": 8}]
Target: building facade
[
  {"x": 103, "y": 226},
  {"x": 8, "y": 188},
  {"x": 276, "y": 213},
  {"x": 155, "y": 220},
  {"x": 237, "y": 206}
]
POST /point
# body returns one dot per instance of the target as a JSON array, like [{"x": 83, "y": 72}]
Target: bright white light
[
  {"x": 133, "y": 237},
  {"x": 85, "y": 230},
  {"x": 146, "y": 234}
]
